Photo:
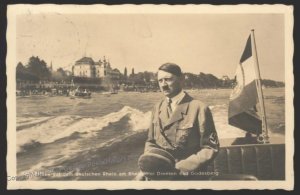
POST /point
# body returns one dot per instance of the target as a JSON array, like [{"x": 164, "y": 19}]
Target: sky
[{"x": 208, "y": 43}]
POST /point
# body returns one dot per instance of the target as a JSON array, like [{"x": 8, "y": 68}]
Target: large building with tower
[{"x": 87, "y": 67}]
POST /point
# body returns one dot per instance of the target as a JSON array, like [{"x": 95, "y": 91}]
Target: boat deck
[{"x": 263, "y": 161}]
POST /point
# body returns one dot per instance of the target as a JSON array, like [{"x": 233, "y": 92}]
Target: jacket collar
[
  {"x": 177, "y": 114},
  {"x": 178, "y": 98}
]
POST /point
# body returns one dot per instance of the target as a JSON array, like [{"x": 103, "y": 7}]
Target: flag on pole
[{"x": 244, "y": 110}]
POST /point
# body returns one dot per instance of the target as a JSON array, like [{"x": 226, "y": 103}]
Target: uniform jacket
[{"x": 189, "y": 134}]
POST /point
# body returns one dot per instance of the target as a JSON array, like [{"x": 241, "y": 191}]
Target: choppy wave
[
  {"x": 26, "y": 122},
  {"x": 47, "y": 130},
  {"x": 50, "y": 129},
  {"x": 53, "y": 112},
  {"x": 70, "y": 137},
  {"x": 64, "y": 132},
  {"x": 68, "y": 161},
  {"x": 64, "y": 127}
]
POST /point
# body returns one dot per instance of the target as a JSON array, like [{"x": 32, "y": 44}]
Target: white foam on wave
[
  {"x": 89, "y": 126},
  {"x": 25, "y": 122},
  {"x": 64, "y": 126},
  {"x": 30, "y": 120},
  {"x": 44, "y": 132},
  {"x": 139, "y": 121},
  {"x": 50, "y": 129}
]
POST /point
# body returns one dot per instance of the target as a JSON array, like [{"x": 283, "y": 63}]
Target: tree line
[{"x": 37, "y": 70}]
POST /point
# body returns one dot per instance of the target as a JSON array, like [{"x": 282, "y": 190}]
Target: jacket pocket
[{"x": 182, "y": 133}]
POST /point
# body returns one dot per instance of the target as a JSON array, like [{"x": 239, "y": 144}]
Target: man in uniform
[{"x": 181, "y": 125}]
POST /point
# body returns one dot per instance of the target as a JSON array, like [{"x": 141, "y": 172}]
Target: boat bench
[{"x": 250, "y": 162}]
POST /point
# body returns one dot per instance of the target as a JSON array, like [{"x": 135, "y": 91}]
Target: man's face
[{"x": 169, "y": 84}]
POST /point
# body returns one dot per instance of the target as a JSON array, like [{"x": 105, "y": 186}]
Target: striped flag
[{"x": 243, "y": 109}]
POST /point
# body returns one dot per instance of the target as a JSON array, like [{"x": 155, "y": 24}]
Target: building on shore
[{"x": 87, "y": 67}]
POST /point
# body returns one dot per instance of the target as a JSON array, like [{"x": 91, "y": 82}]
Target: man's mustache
[{"x": 166, "y": 87}]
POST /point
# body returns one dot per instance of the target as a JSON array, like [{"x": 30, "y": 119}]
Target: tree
[
  {"x": 23, "y": 74},
  {"x": 147, "y": 76},
  {"x": 38, "y": 68},
  {"x": 125, "y": 72},
  {"x": 62, "y": 72},
  {"x": 271, "y": 83},
  {"x": 59, "y": 75},
  {"x": 20, "y": 67}
]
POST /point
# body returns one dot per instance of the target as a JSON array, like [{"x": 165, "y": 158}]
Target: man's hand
[{"x": 196, "y": 161}]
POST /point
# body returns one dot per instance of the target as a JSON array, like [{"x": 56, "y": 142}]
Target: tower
[{"x": 51, "y": 67}]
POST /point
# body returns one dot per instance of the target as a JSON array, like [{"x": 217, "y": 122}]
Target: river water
[{"x": 54, "y": 131}]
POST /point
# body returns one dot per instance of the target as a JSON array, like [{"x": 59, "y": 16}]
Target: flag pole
[{"x": 265, "y": 137}]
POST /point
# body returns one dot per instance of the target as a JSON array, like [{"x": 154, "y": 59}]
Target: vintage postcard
[{"x": 150, "y": 97}]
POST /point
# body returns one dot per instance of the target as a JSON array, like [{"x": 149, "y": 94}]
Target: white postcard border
[{"x": 14, "y": 10}]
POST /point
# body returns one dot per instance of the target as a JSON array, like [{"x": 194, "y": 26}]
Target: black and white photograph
[{"x": 154, "y": 95}]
